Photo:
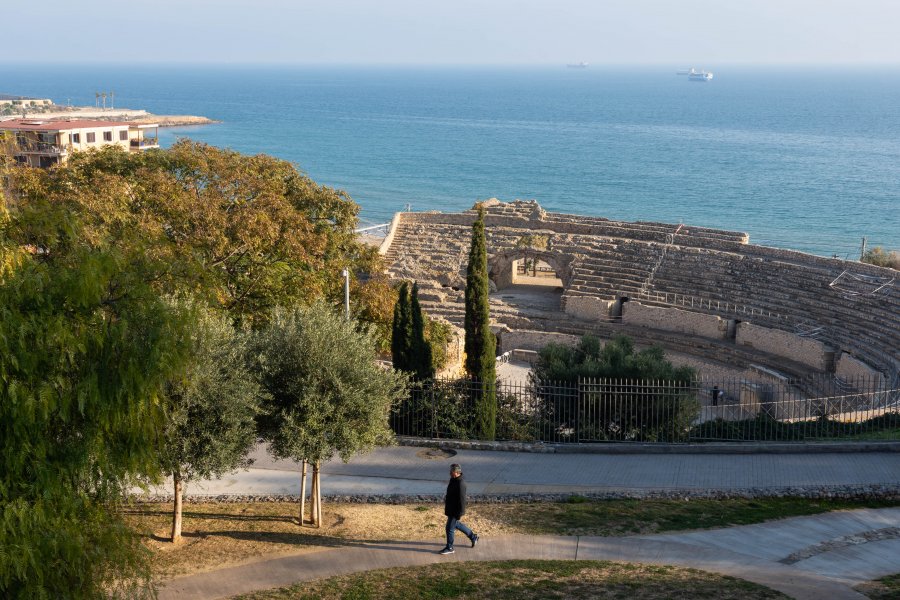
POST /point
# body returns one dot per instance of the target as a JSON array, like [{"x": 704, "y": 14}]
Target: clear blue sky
[{"x": 682, "y": 32}]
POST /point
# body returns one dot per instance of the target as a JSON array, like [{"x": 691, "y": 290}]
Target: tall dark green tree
[
  {"x": 401, "y": 332},
  {"x": 420, "y": 349},
  {"x": 480, "y": 344}
]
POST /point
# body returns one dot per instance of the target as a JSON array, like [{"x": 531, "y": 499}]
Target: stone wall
[
  {"x": 803, "y": 350},
  {"x": 392, "y": 232},
  {"x": 599, "y": 259},
  {"x": 588, "y": 308},
  {"x": 852, "y": 369},
  {"x": 533, "y": 340},
  {"x": 674, "y": 319}
]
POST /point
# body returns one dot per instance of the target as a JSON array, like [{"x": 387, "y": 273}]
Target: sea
[{"x": 806, "y": 158}]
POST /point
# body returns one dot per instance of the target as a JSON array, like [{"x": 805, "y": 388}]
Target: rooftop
[{"x": 49, "y": 125}]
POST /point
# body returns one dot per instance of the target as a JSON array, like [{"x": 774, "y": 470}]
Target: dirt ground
[{"x": 219, "y": 535}]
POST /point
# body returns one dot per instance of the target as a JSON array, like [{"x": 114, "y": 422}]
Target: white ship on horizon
[
  {"x": 695, "y": 75},
  {"x": 580, "y": 65}
]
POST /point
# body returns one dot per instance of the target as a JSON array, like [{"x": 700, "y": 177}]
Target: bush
[
  {"x": 880, "y": 258},
  {"x": 595, "y": 392}
]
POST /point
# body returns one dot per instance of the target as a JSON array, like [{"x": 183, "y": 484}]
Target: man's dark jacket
[{"x": 455, "y": 501}]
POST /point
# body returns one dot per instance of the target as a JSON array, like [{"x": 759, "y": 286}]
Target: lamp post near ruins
[{"x": 346, "y": 275}]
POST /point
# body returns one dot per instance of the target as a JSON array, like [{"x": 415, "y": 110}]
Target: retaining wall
[
  {"x": 806, "y": 351},
  {"x": 674, "y": 319},
  {"x": 534, "y": 340}
]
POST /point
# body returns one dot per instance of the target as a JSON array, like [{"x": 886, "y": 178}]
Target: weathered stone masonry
[{"x": 668, "y": 283}]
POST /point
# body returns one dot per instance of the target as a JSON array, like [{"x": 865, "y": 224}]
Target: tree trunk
[
  {"x": 317, "y": 478},
  {"x": 303, "y": 495},
  {"x": 313, "y": 497},
  {"x": 176, "y": 512}
]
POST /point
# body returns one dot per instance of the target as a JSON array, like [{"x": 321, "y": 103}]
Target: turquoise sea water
[{"x": 799, "y": 158}]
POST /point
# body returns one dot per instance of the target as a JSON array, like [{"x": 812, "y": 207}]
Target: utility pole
[
  {"x": 346, "y": 275},
  {"x": 862, "y": 249}
]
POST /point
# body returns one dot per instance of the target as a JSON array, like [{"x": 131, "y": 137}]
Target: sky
[{"x": 463, "y": 32}]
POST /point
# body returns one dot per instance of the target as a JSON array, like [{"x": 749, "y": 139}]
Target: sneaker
[
  {"x": 447, "y": 551},
  {"x": 474, "y": 539}
]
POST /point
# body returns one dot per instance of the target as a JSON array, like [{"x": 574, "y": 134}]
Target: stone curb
[
  {"x": 657, "y": 448},
  {"x": 842, "y": 492}
]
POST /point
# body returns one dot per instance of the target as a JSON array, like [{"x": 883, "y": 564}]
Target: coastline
[{"x": 117, "y": 114}]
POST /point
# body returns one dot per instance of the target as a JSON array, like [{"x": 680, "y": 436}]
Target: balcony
[
  {"x": 145, "y": 144},
  {"x": 29, "y": 147}
]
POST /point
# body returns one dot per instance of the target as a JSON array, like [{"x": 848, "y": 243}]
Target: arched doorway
[{"x": 529, "y": 278}]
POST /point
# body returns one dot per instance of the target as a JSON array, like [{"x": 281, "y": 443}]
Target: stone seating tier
[{"x": 610, "y": 259}]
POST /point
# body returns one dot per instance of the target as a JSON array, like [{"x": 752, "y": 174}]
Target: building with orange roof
[{"x": 44, "y": 143}]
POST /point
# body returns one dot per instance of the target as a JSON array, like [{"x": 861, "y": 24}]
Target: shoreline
[{"x": 117, "y": 114}]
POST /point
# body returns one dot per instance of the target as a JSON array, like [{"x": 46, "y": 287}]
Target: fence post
[{"x": 432, "y": 402}]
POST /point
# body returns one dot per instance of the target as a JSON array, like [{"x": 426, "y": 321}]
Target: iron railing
[{"x": 605, "y": 410}]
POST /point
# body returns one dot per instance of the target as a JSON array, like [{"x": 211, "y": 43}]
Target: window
[
  {"x": 123, "y": 135},
  {"x": 76, "y": 138},
  {"x": 91, "y": 137},
  {"x": 107, "y": 136}
]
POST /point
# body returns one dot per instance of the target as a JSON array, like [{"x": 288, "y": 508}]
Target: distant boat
[
  {"x": 695, "y": 75},
  {"x": 581, "y": 65}
]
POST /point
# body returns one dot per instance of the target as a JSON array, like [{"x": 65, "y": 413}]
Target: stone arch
[{"x": 500, "y": 265}]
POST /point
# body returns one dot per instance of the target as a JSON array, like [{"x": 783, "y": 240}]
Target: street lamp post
[{"x": 346, "y": 275}]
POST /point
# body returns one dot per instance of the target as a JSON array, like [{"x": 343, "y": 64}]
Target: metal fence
[{"x": 599, "y": 410}]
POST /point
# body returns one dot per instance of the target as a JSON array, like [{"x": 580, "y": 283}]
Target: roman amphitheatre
[{"x": 707, "y": 296}]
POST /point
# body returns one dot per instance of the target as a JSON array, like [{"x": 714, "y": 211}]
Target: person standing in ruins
[{"x": 455, "y": 508}]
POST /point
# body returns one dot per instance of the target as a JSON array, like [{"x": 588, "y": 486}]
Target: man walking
[{"x": 455, "y": 508}]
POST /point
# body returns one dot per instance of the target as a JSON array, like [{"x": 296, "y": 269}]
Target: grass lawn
[
  {"x": 579, "y": 516},
  {"x": 526, "y": 580},
  {"x": 220, "y": 534},
  {"x": 886, "y": 588},
  {"x": 885, "y": 435}
]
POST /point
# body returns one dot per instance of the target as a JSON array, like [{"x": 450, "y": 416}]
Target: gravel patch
[{"x": 867, "y": 492}]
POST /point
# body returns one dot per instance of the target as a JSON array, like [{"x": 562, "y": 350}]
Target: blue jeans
[{"x": 452, "y": 525}]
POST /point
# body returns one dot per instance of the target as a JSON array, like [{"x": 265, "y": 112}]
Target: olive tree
[
  {"x": 211, "y": 410},
  {"x": 326, "y": 394}
]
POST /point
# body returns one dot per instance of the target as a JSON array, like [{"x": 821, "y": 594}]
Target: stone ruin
[{"x": 693, "y": 290}]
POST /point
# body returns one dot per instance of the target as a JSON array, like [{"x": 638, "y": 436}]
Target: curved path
[
  {"x": 814, "y": 557},
  {"x": 808, "y": 558}
]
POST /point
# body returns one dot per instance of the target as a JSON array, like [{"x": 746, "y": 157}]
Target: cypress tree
[
  {"x": 480, "y": 344},
  {"x": 420, "y": 351},
  {"x": 401, "y": 331}
]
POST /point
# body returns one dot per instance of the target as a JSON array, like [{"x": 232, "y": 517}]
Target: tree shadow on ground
[{"x": 190, "y": 514}]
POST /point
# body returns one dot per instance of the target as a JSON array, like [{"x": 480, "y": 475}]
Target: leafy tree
[
  {"x": 86, "y": 346},
  {"x": 211, "y": 410},
  {"x": 402, "y": 332},
  {"x": 242, "y": 233},
  {"x": 439, "y": 334},
  {"x": 326, "y": 393},
  {"x": 480, "y": 344},
  {"x": 629, "y": 395}
]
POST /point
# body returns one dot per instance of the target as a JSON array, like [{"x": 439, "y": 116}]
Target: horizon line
[{"x": 609, "y": 64}]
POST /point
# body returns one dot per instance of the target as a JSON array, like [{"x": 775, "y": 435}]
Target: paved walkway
[
  {"x": 415, "y": 471},
  {"x": 808, "y": 558}
]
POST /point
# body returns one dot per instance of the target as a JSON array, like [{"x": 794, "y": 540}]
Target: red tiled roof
[{"x": 42, "y": 125}]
